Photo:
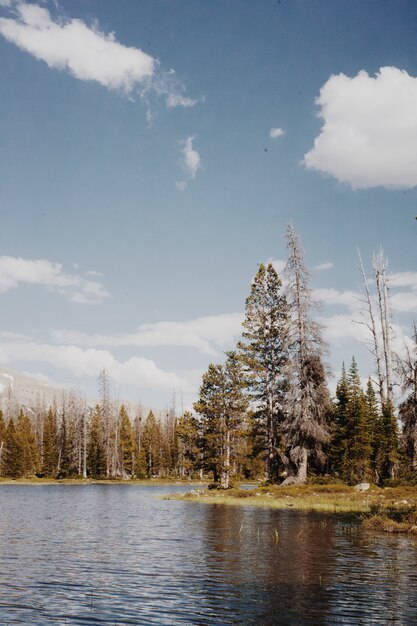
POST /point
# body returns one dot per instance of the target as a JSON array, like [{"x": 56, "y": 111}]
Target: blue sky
[{"x": 137, "y": 201}]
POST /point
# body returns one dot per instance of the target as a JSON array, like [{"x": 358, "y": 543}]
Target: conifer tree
[
  {"x": 264, "y": 354},
  {"x": 151, "y": 444},
  {"x": 50, "y": 443},
  {"x": 2, "y": 438},
  {"x": 408, "y": 408},
  {"x": 126, "y": 442},
  {"x": 96, "y": 454},
  {"x": 139, "y": 464},
  {"x": 13, "y": 455},
  {"x": 187, "y": 433},
  {"x": 340, "y": 425},
  {"x": 26, "y": 436},
  {"x": 359, "y": 436},
  {"x": 65, "y": 443},
  {"x": 376, "y": 430},
  {"x": 391, "y": 457},
  {"x": 222, "y": 405}
]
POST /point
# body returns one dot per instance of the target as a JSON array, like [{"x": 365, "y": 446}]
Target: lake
[{"x": 119, "y": 554}]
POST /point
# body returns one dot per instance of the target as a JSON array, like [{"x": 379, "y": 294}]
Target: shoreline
[
  {"x": 389, "y": 509},
  {"x": 150, "y": 482}
]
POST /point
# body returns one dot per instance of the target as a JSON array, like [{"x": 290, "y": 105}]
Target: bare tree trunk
[
  {"x": 382, "y": 290},
  {"x": 225, "y": 475},
  {"x": 84, "y": 445},
  {"x": 299, "y": 457},
  {"x": 372, "y": 327}
]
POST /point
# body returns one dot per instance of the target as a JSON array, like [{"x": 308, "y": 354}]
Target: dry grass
[{"x": 334, "y": 498}]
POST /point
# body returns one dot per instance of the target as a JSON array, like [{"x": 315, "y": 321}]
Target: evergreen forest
[{"x": 264, "y": 413}]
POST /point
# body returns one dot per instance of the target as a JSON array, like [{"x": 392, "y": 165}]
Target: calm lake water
[{"x": 104, "y": 554}]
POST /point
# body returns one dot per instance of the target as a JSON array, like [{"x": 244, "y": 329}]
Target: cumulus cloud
[
  {"x": 333, "y": 297},
  {"x": 191, "y": 161},
  {"x": 206, "y": 334},
  {"x": 137, "y": 371},
  {"x": 181, "y": 185},
  {"x": 279, "y": 265},
  {"x": 321, "y": 267},
  {"x": 274, "y": 133},
  {"x": 15, "y": 271},
  {"x": 89, "y": 54},
  {"x": 369, "y": 134}
]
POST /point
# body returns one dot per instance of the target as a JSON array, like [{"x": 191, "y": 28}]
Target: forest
[{"x": 264, "y": 413}]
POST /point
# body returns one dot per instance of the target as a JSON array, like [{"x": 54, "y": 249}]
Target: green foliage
[
  {"x": 352, "y": 447},
  {"x": 151, "y": 445},
  {"x": 13, "y": 454},
  {"x": 126, "y": 442},
  {"x": 264, "y": 354},
  {"x": 96, "y": 457},
  {"x": 50, "y": 444},
  {"x": 187, "y": 435},
  {"x": 26, "y": 437},
  {"x": 222, "y": 406}
]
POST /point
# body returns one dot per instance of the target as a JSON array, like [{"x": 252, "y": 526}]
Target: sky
[{"x": 152, "y": 153}]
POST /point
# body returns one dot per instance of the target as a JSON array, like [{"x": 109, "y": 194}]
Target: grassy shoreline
[{"x": 392, "y": 509}]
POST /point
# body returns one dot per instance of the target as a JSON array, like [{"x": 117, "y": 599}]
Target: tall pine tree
[{"x": 264, "y": 354}]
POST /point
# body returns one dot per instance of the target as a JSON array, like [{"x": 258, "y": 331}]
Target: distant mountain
[
  {"x": 24, "y": 389},
  {"x": 28, "y": 391}
]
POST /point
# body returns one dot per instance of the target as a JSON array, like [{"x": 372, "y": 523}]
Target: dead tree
[{"x": 305, "y": 427}]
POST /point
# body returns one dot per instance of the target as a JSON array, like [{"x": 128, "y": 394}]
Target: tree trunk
[
  {"x": 225, "y": 474},
  {"x": 300, "y": 459}
]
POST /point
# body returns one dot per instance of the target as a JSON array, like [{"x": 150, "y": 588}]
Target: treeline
[
  {"x": 265, "y": 412},
  {"x": 77, "y": 441}
]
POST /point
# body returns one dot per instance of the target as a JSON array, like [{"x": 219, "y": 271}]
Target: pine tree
[
  {"x": 264, "y": 354},
  {"x": 187, "y": 433},
  {"x": 376, "y": 430},
  {"x": 139, "y": 463},
  {"x": 391, "y": 457},
  {"x": 357, "y": 466},
  {"x": 2, "y": 438},
  {"x": 126, "y": 442},
  {"x": 408, "y": 408},
  {"x": 96, "y": 455},
  {"x": 26, "y": 436},
  {"x": 13, "y": 454},
  {"x": 50, "y": 443},
  {"x": 222, "y": 405},
  {"x": 340, "y": 426},
  {"x": 151, "y": 444},
  {"x": 65, "y": 444}
]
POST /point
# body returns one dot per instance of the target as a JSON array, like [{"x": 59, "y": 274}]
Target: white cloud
[
  {"x": 279, "y": 266},
  {"x": 191, "y": 158},
  {"x": 321, "y": 267},
  {"x": 274, "y": 133},
  {"x": 15, "y": 271},
  {"x": 369, "y": 135},
  {"x": 331, "y": 297},
  {"x": 181, "y": 185},
  {"x": 403, "y": 279},
  {"x": 137, "y": 371},
  {"x": 341, "y": 328},
  {"x": 404, "y": 302},
  {"x": 206, "y": 334},
  {"x": 89, "y": 54}
]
